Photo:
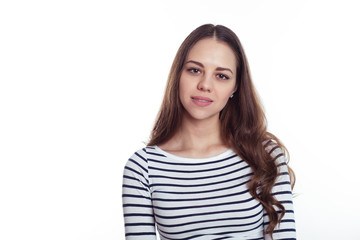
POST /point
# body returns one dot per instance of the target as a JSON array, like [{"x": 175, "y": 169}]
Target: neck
[{"x": 199, "y": 135}]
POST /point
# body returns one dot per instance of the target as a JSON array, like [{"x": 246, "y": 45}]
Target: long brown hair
[{"x": 243, "y": 122}]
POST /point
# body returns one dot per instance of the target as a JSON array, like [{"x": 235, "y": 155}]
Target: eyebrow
[{"x": 201, "y": 65}]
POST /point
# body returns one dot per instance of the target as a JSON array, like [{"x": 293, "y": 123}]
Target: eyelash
[
  {"x": 193, "y": 70},
  {"x": 220, "y": 75},
  {"x": 223, "y": 76}
]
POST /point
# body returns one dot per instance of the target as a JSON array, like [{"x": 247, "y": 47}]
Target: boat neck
[{"x": 170, "y": 155}]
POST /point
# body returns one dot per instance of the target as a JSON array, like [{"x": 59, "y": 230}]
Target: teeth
[{"x": 202, "y": 100}]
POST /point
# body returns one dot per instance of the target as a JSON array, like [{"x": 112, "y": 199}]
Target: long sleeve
[
  {"x": 137, "y": 204},
  {"x": 282, "y": 192}
]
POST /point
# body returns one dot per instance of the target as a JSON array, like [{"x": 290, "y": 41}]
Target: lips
[{"x": 201, "y": 101}]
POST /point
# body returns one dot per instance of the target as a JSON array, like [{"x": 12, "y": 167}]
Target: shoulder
[
  {"x": 280, "y": 158},
  {"x": 141, "y": 156},
  {"x": 275, "y": 151},
  {"x": 138, "y": 161},
  {"x": 136, "y": 166},
  {"x": 144, "y": 152}
]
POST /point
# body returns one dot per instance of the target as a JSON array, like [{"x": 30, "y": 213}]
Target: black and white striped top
[{"x": 199, "y": 199}]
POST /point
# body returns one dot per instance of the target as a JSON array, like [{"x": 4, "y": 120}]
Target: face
[{"x": 208, "y": 79}]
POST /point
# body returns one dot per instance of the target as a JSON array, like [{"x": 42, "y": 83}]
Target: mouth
[{"x": 202, "y": 99}]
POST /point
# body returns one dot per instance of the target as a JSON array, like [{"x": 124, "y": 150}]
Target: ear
[
  {"x": 232, "y": 93},
  {"x": 235, "y": 89}
]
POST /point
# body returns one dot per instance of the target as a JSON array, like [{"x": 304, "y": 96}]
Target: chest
[{"x": 197, "y": 198}]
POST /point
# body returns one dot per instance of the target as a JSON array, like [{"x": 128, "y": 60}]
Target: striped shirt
[{"x": 199, "y": 199}]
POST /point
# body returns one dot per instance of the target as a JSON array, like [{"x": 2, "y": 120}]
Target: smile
[{"x": 202, "y": 101}]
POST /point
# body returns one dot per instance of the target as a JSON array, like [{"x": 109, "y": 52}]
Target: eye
[
  {"x": 194, "y": 70},
  {"x": 223, "y": 76}
]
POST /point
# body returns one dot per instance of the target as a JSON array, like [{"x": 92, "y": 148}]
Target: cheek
[
  {"x": 183, "y": 90},
  {"x": 225, "y": 101},
  {"x": 226, "y": 92},
  {"x": 181, "y": 87},
  {"x": 185, "y": 85}
]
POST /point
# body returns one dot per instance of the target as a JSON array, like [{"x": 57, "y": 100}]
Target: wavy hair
[{"x": 243, "y": 122}]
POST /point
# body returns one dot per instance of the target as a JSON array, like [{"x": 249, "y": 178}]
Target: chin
[{"x": 196, "y": 115}]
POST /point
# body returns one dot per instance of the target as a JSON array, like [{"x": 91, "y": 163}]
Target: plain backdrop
[{"x": 81, "y": 83}]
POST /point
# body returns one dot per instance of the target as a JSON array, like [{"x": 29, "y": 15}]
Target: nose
[{"x": 205, "y": 84}]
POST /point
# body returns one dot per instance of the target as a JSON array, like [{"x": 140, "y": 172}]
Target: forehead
[{"x": 212, "y": 51}]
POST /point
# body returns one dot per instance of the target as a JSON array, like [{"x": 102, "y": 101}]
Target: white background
[{"x": 81, "y": 83}]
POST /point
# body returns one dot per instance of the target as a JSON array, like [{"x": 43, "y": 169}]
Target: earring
[{"x": 231, "y": 96}]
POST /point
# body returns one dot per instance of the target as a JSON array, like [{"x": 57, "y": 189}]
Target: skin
[{"x": 209, "y": 71}]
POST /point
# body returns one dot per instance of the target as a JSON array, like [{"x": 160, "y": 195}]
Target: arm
[
  {"x": 282, "y": 192},
  {"x": 136, "y": 197}
]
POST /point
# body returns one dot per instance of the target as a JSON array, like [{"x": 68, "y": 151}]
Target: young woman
[{"x": 211, "y": 170}]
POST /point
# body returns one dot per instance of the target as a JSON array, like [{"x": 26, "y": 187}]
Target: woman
[{"x": 211, "y": 170}]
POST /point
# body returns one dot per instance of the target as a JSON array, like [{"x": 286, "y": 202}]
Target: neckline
[{"x": 173, "y": 156}]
